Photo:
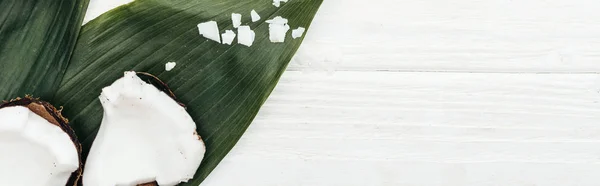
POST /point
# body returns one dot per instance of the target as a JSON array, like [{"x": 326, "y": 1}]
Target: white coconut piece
[
  {"x": 228, "y": 37},
  {"x": 277, "y": 3},
  {"x": 210, "y": 30},
  {"x": 170, "y": 65},
  {"x": 245, "y": 35},
  {"x": 277, "y": 32},
  {"x": 296, "y": 33},
  {"x": 277, "y": 20},
  {"x": 236, "y": 20},
  {"x": 33, "y": 150},
  {"x": 278, "y": 28},
  {"x": 145, "y": 136},
  {"x": 254, "y": 15}
]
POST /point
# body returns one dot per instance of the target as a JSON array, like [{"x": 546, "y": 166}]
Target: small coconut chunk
[
  {"x": 34, "y": 151},
  {"x": 228, "y": 37},
  {"x": 170, "y": 65},
  {"x": 277, "y": 20},
  {"x": 277, "y": 3},
  {"x": 144, "y": 136},
  {"x": 277, "y": 32},
  {"x": 236, "y": 19},
  {"x": 245, "y": 35},
  {"x": 278, "y": 28},
  {"x": 254, "y": 15},
  {"x": 210, "y": 30},
  {"x": 296, "y": 33}
]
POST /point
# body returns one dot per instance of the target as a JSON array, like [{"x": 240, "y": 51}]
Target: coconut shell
[
  {"x": 149, "y": 184},
  {"x": 160, "y": 85},
  {"x": 54, "y": 116}
]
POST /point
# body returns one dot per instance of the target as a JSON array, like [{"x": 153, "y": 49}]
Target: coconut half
[
  {"x": 145, "y": 136},
  {"x": 37, "y": 146}
]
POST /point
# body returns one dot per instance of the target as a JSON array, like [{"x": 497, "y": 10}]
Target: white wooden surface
[{"x": 431, "y": 92}]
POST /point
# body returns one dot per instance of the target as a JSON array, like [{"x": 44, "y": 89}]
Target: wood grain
[
  {"x": 389, "y": 128},
  {"x": 460, "y": 36}
]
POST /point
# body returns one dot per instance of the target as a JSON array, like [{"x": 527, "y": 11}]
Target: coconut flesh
[
  {"x": 296, "y": 33},
  {"x": 254, "y": 15},
  {"x": 246, "y": 35},
  {"x": 228, "y": 37},
  {"x": 35, "y": 148},
  {"x": 145, "y": 136},
  {"x": 236, "y": 20},
  {"x": 278, "y": 28},
  {"x": 209, "y": 30}
]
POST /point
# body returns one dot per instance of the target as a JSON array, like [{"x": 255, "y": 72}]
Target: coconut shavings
[
  {"x": 254, "y": 15},
  {"x": 236, "y": 19},
  {"x": 277, "y": 3},
  {"x": 228, "y": 37},
  {"x": 210, "y": 30},
  {"x": 245, "y": 35},
  {"x": 278, "y": 28},
  {"x": 296, "y": 33},
  {"x": 170, "y": 65}
]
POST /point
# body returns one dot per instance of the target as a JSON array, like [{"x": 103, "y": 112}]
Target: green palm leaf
[
  {"x": 223, "y": 86},
  {"x": 37, "y": 38}
]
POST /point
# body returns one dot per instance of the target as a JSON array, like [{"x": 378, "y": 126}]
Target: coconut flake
[
  {"x": 210, "y": 30},
  {"x": 278, "y": 28},
  {"x": 245, "y": 35},
  {"x": 170, "y": 65},
  {"x": 254, "y": 15},
  {"x": 277, "y": 32},
  {"x": 277, "y": 20},
  {"x": 277, "y": 3},
  {"x": 296, "y": 33},
  {"x": 228, "y": 37},
  {"x": 236, "y": 19}
]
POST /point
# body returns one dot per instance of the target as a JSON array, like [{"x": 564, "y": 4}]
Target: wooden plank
[
  {"x": 311, "y": 172},
  {"x": 377, "y": 128},
  {"x": 560, "y": 36}
]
